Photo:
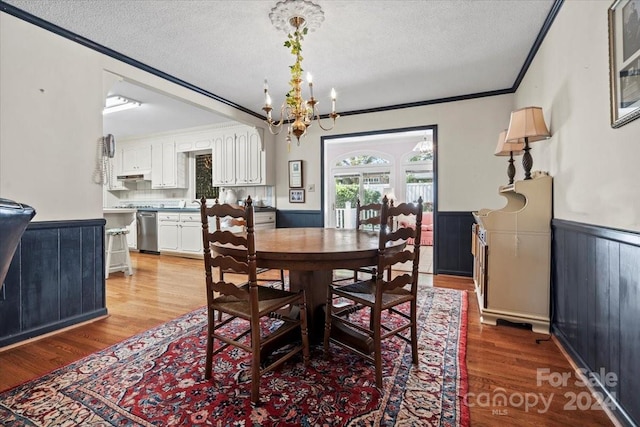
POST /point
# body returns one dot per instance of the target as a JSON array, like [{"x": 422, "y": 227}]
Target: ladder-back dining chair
[
  {"x": 240, "y": 222},
  {"x": 247, "y": 301},
  {"x": 367, "y": 218},
  {"x": 380, "y": 293}
]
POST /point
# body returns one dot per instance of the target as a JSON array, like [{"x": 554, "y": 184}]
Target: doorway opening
[{"x": 398, "y": 163}]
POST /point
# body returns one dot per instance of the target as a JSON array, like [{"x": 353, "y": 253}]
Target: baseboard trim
[
  {"x": 578, "y": 365},
  {"x": 51, "y": 329}
]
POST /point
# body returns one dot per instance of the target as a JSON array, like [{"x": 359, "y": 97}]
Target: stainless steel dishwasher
[{"x": 147, "y": 222}]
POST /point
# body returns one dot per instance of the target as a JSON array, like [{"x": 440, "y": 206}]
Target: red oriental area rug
[{"x": 156, "y": 378}]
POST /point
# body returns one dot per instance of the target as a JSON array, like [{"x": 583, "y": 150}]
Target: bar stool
[{"x": 119, "y": 234}]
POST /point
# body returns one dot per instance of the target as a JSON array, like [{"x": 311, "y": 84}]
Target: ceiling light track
[{"x": 119, "y": 103}]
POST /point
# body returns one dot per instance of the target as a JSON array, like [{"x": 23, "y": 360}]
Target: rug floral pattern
[{"x": 157, "y": 379}]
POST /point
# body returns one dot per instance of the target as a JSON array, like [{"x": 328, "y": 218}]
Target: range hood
[{"x": 140, "y": 176}]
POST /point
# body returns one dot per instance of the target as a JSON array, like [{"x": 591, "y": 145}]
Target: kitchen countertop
[
  {"x": 118, "y": 210},
  {"x": 170, "y": 209},
  {"x": 118, "y": 217},
  {"x": 264, "y": 209}
]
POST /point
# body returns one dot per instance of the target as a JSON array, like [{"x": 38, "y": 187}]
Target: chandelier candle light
[{"x": 296, "y": 18}]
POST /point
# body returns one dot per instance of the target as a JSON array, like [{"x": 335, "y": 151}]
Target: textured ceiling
[
  {"x": 158, "y": 113},
  {"x": 375, "y": 53}
]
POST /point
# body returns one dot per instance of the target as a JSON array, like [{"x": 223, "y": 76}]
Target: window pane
[
  {"x": 362, "y": 160},
  {"x": 422, "y": 157},
  {"x": 375, "y": 184},
  {"x": 347, "y": 190},
  {"x": 420, "y": 184},
  {"x": 203, "y": 177}
]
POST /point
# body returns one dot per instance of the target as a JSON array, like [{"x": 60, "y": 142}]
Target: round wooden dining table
[{"x": 311, "y": 255}]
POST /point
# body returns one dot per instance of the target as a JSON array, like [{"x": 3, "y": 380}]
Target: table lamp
[
  {"x": 504, "y": 149},
  {"x": 527, "y": 125}
]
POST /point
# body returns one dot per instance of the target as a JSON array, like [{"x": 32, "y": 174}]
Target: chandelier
[
  {"x": 296, "y": 18},
  {"x": 424, "y": 146}
]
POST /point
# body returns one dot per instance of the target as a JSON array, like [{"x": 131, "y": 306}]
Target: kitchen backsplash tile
[{"x": 144, "y": 195}]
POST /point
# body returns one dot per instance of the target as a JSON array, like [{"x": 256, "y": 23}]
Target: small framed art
[
  {"x": 296, "y": 196},
  {"x": 624, "y": 61},
  {"x": 295, "y": 174}
]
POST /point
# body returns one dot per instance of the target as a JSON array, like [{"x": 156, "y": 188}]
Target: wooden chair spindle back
[
  {"x": 388, "y": 258},
  {"x": 239, "y": 255}
]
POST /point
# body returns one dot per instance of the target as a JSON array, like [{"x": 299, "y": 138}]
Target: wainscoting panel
[
  {"x": 56, "y": 279},
  {"x": 452, "y": 234},
  {"x": 596, "y": 307},
  {"x": 40, "y": 283},
  {"x": 299, "y": 219},
  {"x": 452, "y": 238}
]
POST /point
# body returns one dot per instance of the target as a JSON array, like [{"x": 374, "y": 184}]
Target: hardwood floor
[{"x": 502, "y": 361}]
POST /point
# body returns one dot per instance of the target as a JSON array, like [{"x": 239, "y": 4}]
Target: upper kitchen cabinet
[
  {"x": 239, "y": 154},
  {"x": 224, "y": 154},
  {"x": 250, "y": 158},
  {"x": 168, "y": 167},
  {"x": 240, "y": 158},
  {"x": 136, "y": 158}
]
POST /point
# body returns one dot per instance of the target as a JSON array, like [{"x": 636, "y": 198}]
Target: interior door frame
[{"x": 433, "y": 128}]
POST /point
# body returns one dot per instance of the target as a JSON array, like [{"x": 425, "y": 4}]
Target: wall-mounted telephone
[
  {"x": 109, "y": 146},
  {"x": 105, "y": 152}
]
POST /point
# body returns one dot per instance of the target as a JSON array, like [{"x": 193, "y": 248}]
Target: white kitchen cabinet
[
  {"x": 264, "y": 220},
  {"x": 198, "y": 141},
  {"x": 223, "y": 153},
  {"x": 168, "y": 167},
  {"x": 168, "y": 232},
  {"x": 261, "y": 221},
  {"x": 180, "y": 232},
  {"x": 249, "y": 158},
  {"x": 239, "y": 158},
  {"x": 190, "y": 233},
  {"x": 136, "y": 158}
]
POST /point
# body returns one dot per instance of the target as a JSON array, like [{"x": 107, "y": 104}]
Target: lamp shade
[
  {"x": 389, "y": 193},
  {"x": 527, "y": 123},
  {"x": 507, "y": 149}
]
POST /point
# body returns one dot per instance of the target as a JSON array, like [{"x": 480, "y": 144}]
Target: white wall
[
  {"x": 468, "y": 172},
  {"x": 51, "y": 98},
  {"x": 593, "y": 165},
  {"x": 48, "y": 134},
  {"x": 48, "y": 139}
]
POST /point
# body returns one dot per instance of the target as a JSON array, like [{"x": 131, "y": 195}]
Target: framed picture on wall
[
  {"x": 296, "y": 196},
  {"x": 295, "y": 174},
  {"x": 624, "y": 61}
]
